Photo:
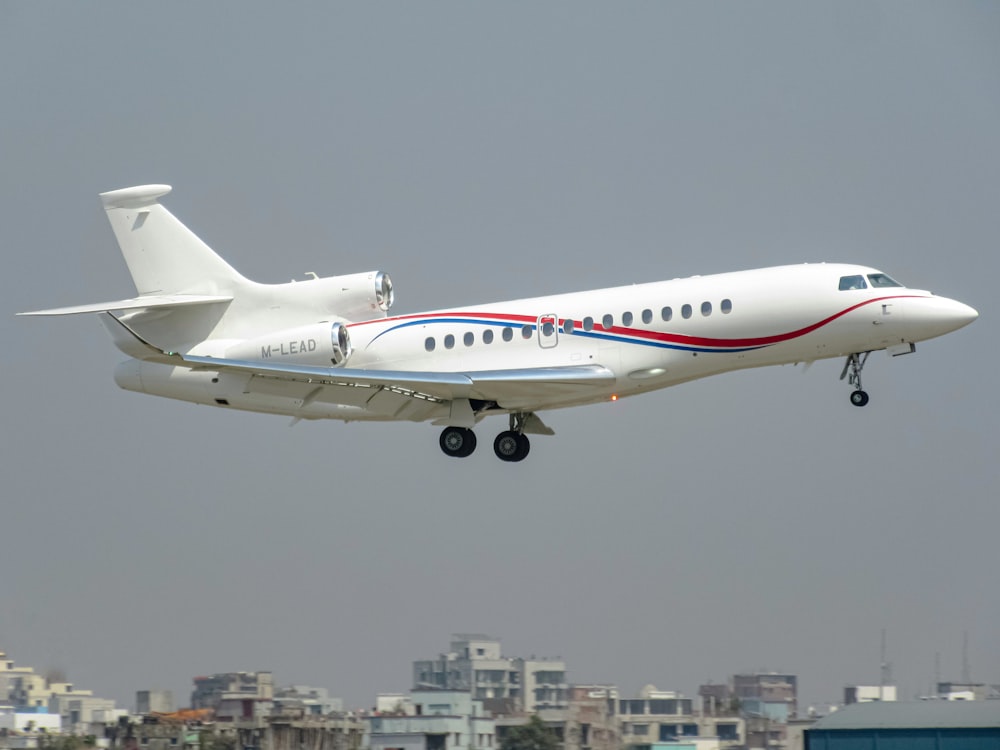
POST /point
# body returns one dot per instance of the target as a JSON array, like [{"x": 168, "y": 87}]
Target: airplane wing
[{"x": 525, "y": 388}]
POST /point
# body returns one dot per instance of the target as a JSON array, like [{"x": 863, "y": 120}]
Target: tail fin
[{"x": 164, "y": 256}]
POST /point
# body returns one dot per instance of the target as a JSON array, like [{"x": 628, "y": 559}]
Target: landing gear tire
[
  {"x": 457, "y": 442},
  {"x": 852, "y": 371},
  {"x": 511, "y": 446}
]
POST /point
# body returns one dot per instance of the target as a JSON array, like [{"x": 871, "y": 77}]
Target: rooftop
[{"x": 914, "y": 715}]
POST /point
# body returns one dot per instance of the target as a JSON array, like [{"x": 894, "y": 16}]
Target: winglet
[{"x": 134, "y": 197}]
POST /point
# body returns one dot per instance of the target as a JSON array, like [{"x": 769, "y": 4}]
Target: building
[
  {"x": 506, "y": 684},
  {"x": 868, "y": 693},
  {"x": 767, "y": 694},
  {"x": 967, "y": 691},
  {"x": 658, "y": 717},
  {"x": 442, "y": 720},
  {"x": 154, "y": 701},
  {"x": 12, "y": 721},
  {"x": 587, "y": 723},
  {"x": 310, "y": 701},
  {"x": 209, "y": 691},
  {"x": 908, "y": 725}
]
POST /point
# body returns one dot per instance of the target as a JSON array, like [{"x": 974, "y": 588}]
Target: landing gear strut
[
  {"x": 513, "y": 444},
  {"x": 854, "y": 365},
  {"x": 457, "y": 442}
]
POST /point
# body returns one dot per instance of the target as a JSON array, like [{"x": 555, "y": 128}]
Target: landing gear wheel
[
  {"x": 511, "y": 446},
  {"x": 852, "y": 371},
  {"x": 457, "y": 442}
]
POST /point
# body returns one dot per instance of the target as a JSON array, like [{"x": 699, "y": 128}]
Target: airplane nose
[
  {"x": 936, "y": 316},
  {"x": 957, "y": 314}
]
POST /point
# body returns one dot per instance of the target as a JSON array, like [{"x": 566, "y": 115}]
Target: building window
[
  {"x": 640, "y": 730},
  {"x": 726, "y": 731}
]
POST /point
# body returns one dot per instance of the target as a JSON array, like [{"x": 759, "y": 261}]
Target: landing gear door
[{"x": 548, "y": 330}]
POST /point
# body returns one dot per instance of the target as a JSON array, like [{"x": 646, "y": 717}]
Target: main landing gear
[
  {"x": 510, "y": 445},
  {"x": 854, "y": 365}
]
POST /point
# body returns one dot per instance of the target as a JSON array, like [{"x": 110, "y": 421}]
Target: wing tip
[{"x": 134, "y": 197}]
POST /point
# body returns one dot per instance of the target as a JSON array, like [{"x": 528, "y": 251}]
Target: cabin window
[
  {"x": 588, "y": 323},
  {"x": 568, "y": 326},
  {"x": 647, "y": 316},
  {"x": 848, "y": 283},
  {"x": 526, "y": 331},
  {"x": 488, "y": 336},
  {"x": 607, "y": 321},
  {"x": 626, "y": 318},
  {"x": 508, "y": 334},
  {"x": 881, "y": 279},
  {"x": 666, "y": 313},
  {"x": 686, "y": 311},
  {"x": 429, "y": 343},
  {"x": 449, "y": 341},
  {"x": 547, "y": 328},
  {"x": 469, "y": 338},
  {"x": 726, "y": 306},
  {"x": 706, "y": 308}
]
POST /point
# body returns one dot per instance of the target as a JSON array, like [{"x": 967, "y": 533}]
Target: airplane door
[{"x": 548, "y": 330}]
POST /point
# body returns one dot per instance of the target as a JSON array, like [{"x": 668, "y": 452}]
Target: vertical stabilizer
[{"x": 163, "y": 255}]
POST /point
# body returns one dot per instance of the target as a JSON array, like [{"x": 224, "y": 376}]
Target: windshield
[{"x": 881, "y": 279}]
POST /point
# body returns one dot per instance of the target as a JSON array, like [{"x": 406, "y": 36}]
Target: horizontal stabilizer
[{"x": 136, "y": 303}]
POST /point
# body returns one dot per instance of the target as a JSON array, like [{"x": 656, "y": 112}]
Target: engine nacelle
[
  {"x": 357, "y": 296},
  {"x": 317, "y": 344}
]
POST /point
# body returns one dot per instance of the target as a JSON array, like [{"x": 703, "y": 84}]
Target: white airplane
[{"x": 326, "y": 348}]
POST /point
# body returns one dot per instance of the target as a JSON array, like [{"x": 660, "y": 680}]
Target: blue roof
[{"x": 913, "y": 715}]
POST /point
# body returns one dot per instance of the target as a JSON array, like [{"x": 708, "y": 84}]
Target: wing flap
[
  {"x": 519, "y": 387},
  {"x": 136, "y": 303}
]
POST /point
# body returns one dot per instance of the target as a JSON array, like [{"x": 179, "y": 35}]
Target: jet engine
[
  {"x": 318, "y": 344},
  {"x": 357, "y": 296}
]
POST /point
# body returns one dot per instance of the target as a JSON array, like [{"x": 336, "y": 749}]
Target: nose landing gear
[{"x": 854, "y": 365}]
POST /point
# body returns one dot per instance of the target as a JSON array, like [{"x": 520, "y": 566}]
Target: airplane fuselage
[{"x": 650, "y": 336}]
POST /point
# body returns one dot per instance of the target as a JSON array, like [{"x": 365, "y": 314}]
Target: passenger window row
[
  {"x": 607, "y": 323},
  {"x": 666, "y": 315}
]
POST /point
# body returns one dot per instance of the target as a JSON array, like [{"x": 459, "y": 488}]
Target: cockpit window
[
  {"x": 852, "y": 282},
  {"x": 881, "y": 279}
]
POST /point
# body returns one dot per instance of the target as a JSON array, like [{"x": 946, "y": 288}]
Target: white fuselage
[{"x": 649, "y": 336}]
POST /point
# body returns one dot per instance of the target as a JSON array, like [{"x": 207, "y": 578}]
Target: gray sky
[{"x": 481, "y": 152}]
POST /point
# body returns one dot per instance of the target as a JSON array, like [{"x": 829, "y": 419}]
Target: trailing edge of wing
[
  {"x": 487, "y": 385},
  {"x": 136, "y": 303}
]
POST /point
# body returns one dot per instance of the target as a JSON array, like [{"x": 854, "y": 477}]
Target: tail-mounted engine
[
  {"x": 318, "y": 344},
  {"x": 357, "y": 296}
]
